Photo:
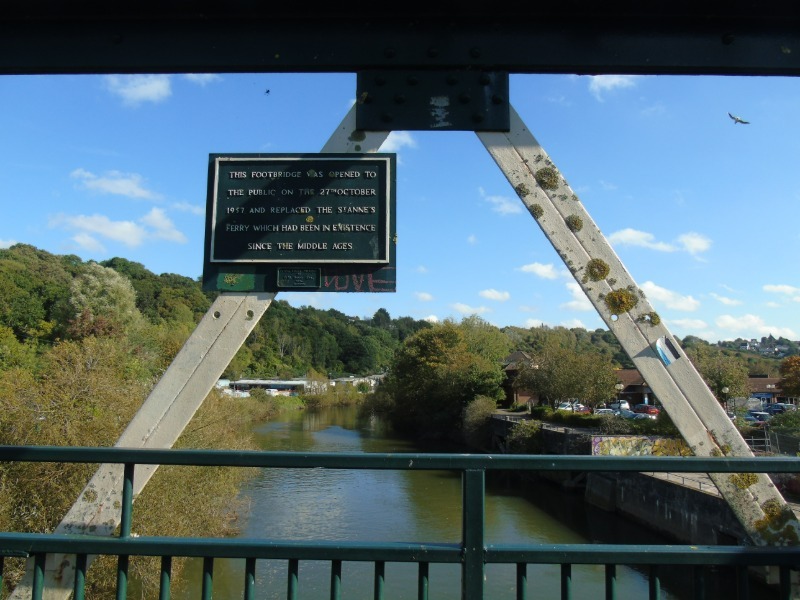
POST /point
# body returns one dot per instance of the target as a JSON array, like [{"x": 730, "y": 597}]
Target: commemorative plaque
[{"x": 301, "y": 222}]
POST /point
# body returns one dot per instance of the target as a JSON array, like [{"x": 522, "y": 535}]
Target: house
[
  {"x": 512, "y": 365},
  {"x": 765, "y": 388},
  {"x": 634, "y": 388}
]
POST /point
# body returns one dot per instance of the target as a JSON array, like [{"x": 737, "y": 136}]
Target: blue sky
[{"x": 703, "y": 212}]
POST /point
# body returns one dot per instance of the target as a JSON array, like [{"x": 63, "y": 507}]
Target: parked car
[
  {"x": 647, "y": 409},
  {"x": 620, "y": 405},
  {"x": 777, "y": 408},
  {"x": 581, "y": 409},
  {"x": 757, "y": 418},
  {"x": 604, "y": 411}
]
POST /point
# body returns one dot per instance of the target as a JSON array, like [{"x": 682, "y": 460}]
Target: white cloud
[
  {"x": 7, "y": 243},
  {"x": 655, "y": 110},
  {"x": 725, "y": 300},
  {"x": 423, "y": 296},
  {"x": 136, "y": 89},
  {"x": 421, "y": 269},
  {"x": 125, "y": 232},
  {"x": 397, "y": 140},
  {"x": 669, "y": 298},
  {"x": 782, "y": 289},
  {"x": 579, "y": 300},
  {"x": 609, "y": 187},
  {"x": 88, "y": 242},
  {"x": 153, "y": 226},
  {"x": 548, "y": 271},
  {"x": 465, "y": 309},
  {"x": 696, "y": 327},
  {"x": 531, "y": 323},
  {"x": 694, "y": 243},
  {"x": 600, "y": 84},
  {"x": 163, "y": 227},
  {"x": 129, "y": 185},
  {"x": 634, "y": 237},
  {"x": 502, "y": 204},
  {"x": 202, "y": 79},
  {"x": 572, "y": 323},
  {"x": 194, "y": 209},
  {"x": 785, "y": 290},
  {"x": 472, "y": 239},
  {"x": 690, "y": 324},
  {"x": 431, "y": 319},
  {"x": 752, "y": 325},
  {"x": 492, "y": 294}
]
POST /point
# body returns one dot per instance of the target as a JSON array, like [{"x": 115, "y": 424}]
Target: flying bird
[{"x": 738, "y": 120}]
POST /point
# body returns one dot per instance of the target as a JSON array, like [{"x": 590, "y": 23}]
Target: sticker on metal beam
[{"x": 666, "y": 350}]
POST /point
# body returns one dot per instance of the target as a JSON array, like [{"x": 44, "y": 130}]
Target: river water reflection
[{"x": 412, "y": 506}]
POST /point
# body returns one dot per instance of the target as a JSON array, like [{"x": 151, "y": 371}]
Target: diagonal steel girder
[
  {"x": 172, "y": 403},
  {"x": 697, "y": 414}
]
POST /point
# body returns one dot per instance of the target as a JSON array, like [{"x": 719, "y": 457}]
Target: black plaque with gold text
[{"x": 301, "y": 222}]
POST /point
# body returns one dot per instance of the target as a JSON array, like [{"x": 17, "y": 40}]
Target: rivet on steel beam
[
  {"x": 433, "y": 52},
  {"x": 497, "y": 99},
  {"x": 413, "y": 80},
  {"x": 386, "y": 118},
  {"x": 485, "y": 79},
  {"x": 475, "y": 52},
  {"x": 464, "y": 98},
  {"x": 399, "y": 99}
]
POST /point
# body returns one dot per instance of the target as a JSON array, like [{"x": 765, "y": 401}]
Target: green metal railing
[{"x": 472, "y": 553}]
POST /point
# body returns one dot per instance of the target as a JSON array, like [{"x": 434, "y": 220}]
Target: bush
[
  {"x": 525, "y": 438},
  {"x": 541, "y": 412},
  {"x": 786, "y": 422},
  {"x": 477, "y": 429},
  {"x": 614, "y": 425}
]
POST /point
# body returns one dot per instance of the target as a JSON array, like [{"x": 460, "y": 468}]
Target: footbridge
[{"x": 420, "y": 66}]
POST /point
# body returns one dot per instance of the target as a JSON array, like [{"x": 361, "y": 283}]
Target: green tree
[
  {"x": 790, "y": 376},
  {"x": 720, "y": 370},
  {"x": 103, "y": 302},
  {"x": 786, "y": 422},
  {"x": 485, "y": 339},
  {"x": 13, "y": 353},
  {"x": 432, "y": 379},
  {"x": 478, "y": 422}
]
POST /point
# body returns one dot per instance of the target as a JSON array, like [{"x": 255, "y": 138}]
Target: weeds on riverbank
[{"x": 333, "y": 395}]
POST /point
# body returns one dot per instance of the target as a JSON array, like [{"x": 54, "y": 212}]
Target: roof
[
  {"x": 532, "y": 36},
  {"x": 764, "y": 385},
  {"x": 629, "y": 377}
]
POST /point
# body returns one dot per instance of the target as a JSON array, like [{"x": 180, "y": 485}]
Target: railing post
[{"x": 472, "y": 532}]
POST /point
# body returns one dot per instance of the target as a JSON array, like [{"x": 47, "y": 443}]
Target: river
[{"x": 414, "y": 506}]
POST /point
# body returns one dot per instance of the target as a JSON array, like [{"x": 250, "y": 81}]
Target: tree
[
  {"x": 103, "y": 302},
  {"x": 558, "y": 373},
  {"x": 382, "y": 319},
  {"x": 478, "y": 422},
  {"x": 432, "y": 379},
  {"x": 719, "y": 371},
  {"x": 790, "y": 376}
]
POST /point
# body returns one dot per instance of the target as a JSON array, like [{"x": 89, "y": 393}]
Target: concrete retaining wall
[{"x": 687, "y": 515}]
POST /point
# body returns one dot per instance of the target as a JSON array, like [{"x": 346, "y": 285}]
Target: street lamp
[
  {"x": 619, "y": 387},
  {"x": 725, "y": 391}
]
